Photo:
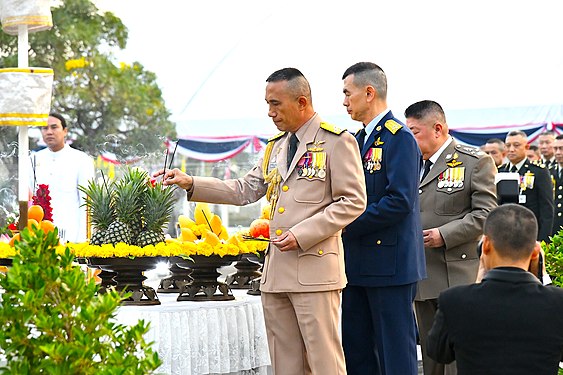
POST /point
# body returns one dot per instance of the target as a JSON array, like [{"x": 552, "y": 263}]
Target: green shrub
[
  {"x": 554, "y": 258},
  {"x": 52, "y": 321}
]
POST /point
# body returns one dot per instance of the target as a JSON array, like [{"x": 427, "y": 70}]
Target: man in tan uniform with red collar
[{"x": 314, "y": 195}]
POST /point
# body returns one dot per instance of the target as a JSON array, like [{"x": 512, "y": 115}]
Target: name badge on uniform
[
  {"x": 372, "y": 159},
  {"x": 451, "y": 178},
  {"x": 272, "y": 164}
]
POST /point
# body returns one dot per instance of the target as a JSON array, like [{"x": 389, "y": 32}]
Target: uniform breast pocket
[
  {"x": 451, "y": 202},
  {"x": 310, "y": 191}
]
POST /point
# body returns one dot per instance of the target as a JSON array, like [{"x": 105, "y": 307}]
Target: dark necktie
[
  {"x": 427, "y": 165},
  {"x": 513, "y": 169},
  {"x": 362, "y": 138},
  {"x": 293, "y": 142}
]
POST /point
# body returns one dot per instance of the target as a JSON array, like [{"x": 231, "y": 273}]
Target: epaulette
[
  {"x": 468, "y": 150},
  {"x": 538, "y": 163},
  {"x": 277, "y": 136},
  {"x": 393, "y": 126},
  {"x": 331, "y": 128}
]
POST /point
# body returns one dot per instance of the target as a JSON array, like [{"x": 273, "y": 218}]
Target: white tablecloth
[{"x": 223, "y": 337}]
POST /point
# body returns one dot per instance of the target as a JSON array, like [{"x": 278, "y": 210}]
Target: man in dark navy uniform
[
  {"x": 383, "y": 248},
  {"x": 536, "y": 188}
]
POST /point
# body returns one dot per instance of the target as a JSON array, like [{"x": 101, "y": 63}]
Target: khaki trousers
[{"x": 303, "y": 335}]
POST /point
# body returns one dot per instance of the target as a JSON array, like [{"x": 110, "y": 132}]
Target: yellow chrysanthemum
[
  {"x": 75, "y": 64},
  {"x": 6, "y": 251},
  {"x": 170, "y": 248}
]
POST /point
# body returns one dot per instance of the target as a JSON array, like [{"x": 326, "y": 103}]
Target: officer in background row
[
  {"x": 494, "y": 147},
  {"x": 545, "y": 142},
  {"x": 536, "y": 188},
  {"x": 556, "y": 171}
]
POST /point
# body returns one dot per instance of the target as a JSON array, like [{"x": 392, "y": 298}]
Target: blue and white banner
[
  {"x": 475, "y": 126},
  {"x": 213, "y": 149}
]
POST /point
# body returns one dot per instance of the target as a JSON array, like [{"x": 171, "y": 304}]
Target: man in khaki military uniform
[
  {"x": 314, "y": 194},
  {"x": 457, "y": 192}
]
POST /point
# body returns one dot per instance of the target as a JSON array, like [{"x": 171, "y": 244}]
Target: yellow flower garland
[
  {"x": 172, "y": 247},
  {"x": 166, "y": 249}
]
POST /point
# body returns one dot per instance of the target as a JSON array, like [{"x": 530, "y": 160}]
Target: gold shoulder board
[
  {"x": 279, "y": 135},
  {"x": 393, "y": 126},
  {"x": 331, "y": 128}
]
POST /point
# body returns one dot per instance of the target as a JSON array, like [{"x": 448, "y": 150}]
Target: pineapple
[
  {"x": 127, "y": 210},
  {"x": 158, "y": 205},
  {"x": 100, "y": 207},
  {"x": 140, "y": 179}
]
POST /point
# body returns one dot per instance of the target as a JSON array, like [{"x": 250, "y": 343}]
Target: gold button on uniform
[
  {"x": 321, "y": 252},
  {"x": 463, "y": 256},
  {"x": 281, "y": 210},
  {"x": 285, "y": 188},
  {"x": 559, "y": 214},
  {"x": 378, "y": 242},
  {"x": 278, "y": 232}
]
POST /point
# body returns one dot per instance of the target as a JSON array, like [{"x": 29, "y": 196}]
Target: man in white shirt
[{"x": 63, "y": 169}]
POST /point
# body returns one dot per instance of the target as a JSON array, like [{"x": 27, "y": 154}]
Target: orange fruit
[
  {"x": 32, "y": 223},
  {"x": 35, "y": 212},
  {"x": 14, "y": 239},
  {"x": 47, "y": 226}
]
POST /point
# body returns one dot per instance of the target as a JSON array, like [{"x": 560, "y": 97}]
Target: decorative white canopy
[
  {"x": 25, "y": 96},
  {"x": 35, "y": 14}
]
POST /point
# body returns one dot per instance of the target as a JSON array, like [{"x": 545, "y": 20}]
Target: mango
[
  {"x": 188, "y": 235},
  {"x": 185, "y": 222},
  {"x": 211, "y": 238},
  {"x": 216, "y": 224},
  {"x": 202, "y": 213}
]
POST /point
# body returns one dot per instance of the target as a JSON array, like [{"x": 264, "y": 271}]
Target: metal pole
[{"x": 23, "y": 141}]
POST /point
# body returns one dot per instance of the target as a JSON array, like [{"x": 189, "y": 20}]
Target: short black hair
[
  {"x": 285, "y": 74},
  {"x": 515, "y": 133},
  {"x": 60, "y": 117},
  {"x": 560, "y": 136},
  {"x": 368, "y": 73},
  {"x": 513, "y": 230},
  {"x": 534, "y": 148},
  {"x": 548, "y": 132},
  {"x": 424, "y": 108},
  {"x": 297, "y": 83},
  {"x": 495, "y": 140}
]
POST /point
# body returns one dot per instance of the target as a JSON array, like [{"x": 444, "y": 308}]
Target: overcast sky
[{"x": 212, "y": 57}]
